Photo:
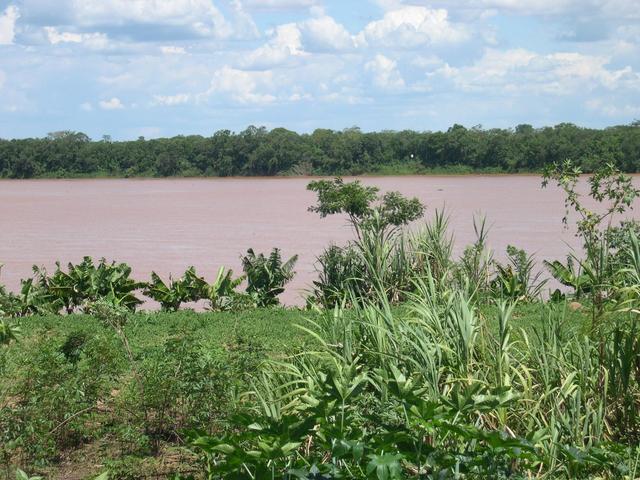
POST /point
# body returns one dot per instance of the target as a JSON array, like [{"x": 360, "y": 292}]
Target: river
[{"x": 167, "y": 225}]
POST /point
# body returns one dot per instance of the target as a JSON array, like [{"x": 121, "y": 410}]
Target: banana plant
[
  {"x": 570, "y": 276},
  {"x": 221, "y": 294},
  {"x": 8, "y": 332},
  {"x": 85, "y": 283},
  {"x": 172, "y": 294},
  {"x": 267, "y": 276},
  {"x": 34, "y": 299}
]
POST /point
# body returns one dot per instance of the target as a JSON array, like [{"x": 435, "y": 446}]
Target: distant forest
[{"x": 259, "y": 151}]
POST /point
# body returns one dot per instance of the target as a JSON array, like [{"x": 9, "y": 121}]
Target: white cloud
[
  {"x": 279, "y": 4},
  {"x": 520, "y": 70},
  {"x": 242, "y": 86},
  {"x": 86, "y": 106},
  {"x": 243, "y": 24},
  {"x": 200, "y": 16},
  {"x": 56, "y": 37},
  {"x": 3, "y": 78},
  {"x": 610, "y": 8},
  {"x": 297, "y": 97},
  {"x": 171, "y": 100},
  {"x": 113, "y": 104},
  {"x": 8, "y": 24},
  {"x": 610, "y": 109},
  {"x": 142, "y": 11},
  {"x": 295, "y": 40},
  {"x": 172, "y": 50},
  {"x": 91, "y": 40},
  {"x": 285, "y": 43},
  {"x": 324, "y": 33},
  {"x": 410, "y": 27},
  {"x": 385, "y": 72},
  {"x": 424, "y": 61}
]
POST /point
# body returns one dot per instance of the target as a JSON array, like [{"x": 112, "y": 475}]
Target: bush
[{"x": 267, "y": 276}]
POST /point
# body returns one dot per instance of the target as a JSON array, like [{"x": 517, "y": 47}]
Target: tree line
[{"x": 257, "y": 151}]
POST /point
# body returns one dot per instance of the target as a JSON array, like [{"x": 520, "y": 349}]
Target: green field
[
  {"x": 75, "y": 365},
  {"x": 65, "y": 365}
]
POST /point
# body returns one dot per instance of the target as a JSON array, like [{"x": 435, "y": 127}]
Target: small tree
[
  {"x": 614, "y": 193},
  {"x": 379, "y": 260},
  {"x": 363, "y": 205}
]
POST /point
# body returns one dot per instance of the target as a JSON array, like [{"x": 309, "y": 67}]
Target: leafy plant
[
  {"x": 380, "y": 258},
  {"x": 21, "y": 475},
  {"x": 172, "y": 294},
  {"x": 433, "y": 246},
  {"x": 267, "y": 276},
  {"x": 570, "y": 275},
  {"x": 87, "y": 282},
  {"x": 222, "y": 294},
  {"x": 426, "y": 394},
  {"x": 615, "y": 193},
  {"x": 517, "y": 279},
  {"x": 473, "y": 270},
  {"x": 8, "y": 332},
  {"x": 339, "y": 269},
  {"x": 362, "y": 204}
]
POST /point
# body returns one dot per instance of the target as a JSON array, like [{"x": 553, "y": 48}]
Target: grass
[
  {"x": 113, "y": 437},
  {"x": 272, "y": 328},
  {"x": 63, "y": 365}
]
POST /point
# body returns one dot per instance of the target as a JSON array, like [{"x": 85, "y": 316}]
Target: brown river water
[{"x": 167, "y": 225}]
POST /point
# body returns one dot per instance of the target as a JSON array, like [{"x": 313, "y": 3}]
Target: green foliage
[
  {"x": 258, "y": 151},
  {"x": 433, "y": 246},
  {"x": 21, "y": 475},
  {"x": 198, "y": 395},
  {"x": 81, "y": 285},
  {"x": 339, "y": 269},
  {"x": 335, "y": 196},
  {"x": 170, "y": 296},
  {"x": 380, "y": 258},
  {"x": 517, "y": 279},
  {"x": 69, "y": 391},
  {"x": 33, "y": 298},
  {"x": 221, "y": 294},
  {"x": 8, "y": 332},
  {"x": 428, "y": 393},
  {"x": 8, "y": 301},
  {"x": 85, "y": 286},
  {"x": 473, "y": 270},
  {"x": 358, "y": 202},
  {"x": 52, "y": 395},
  {"x": 267, "y": 276},
  {"x": 614, "y": 193},
  {"x": 570, "y": 275}
]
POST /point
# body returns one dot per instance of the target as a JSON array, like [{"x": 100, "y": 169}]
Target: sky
[{"x": 156, "y": 68}]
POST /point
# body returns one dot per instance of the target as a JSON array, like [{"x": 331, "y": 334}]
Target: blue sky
[{"x": 128, "y": 68}]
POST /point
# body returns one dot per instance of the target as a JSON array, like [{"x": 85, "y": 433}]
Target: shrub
[{"x": 267, "y": 276}]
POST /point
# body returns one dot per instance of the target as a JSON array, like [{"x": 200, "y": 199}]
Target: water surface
[{"x": 167, "y": 225}]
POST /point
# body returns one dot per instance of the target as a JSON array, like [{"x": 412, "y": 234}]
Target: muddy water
[{"x": 167, "y": 225}]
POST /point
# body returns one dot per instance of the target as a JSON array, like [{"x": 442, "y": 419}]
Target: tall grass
[{"x": 438, "y": 390}]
